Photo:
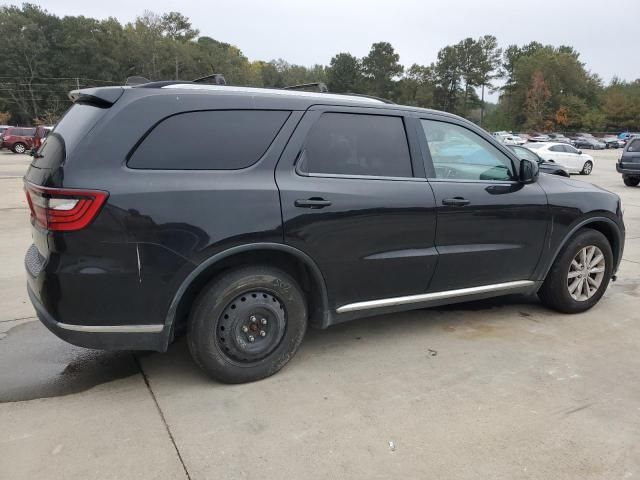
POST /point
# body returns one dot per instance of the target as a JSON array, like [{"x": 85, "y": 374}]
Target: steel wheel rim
[
  {"x": 251, "y": 326},
  {"x": 586, "y": 273}
]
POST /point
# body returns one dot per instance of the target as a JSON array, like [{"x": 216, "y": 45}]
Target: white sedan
[{"x": 573, "y": 159}]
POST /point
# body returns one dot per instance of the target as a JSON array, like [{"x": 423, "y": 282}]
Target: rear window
[
  {"x": 63, "y": 139},
  {"x": 211, "y": 140},
  {"x": 634, "y": 146}
]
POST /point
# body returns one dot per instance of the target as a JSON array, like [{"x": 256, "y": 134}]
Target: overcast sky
[{"x": 307, "y": 32}]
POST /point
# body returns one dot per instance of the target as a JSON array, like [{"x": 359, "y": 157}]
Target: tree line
[{"x": 541, "y": 87}]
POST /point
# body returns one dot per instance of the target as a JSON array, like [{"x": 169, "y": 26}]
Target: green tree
[
  {"x": 344, "y": 73},
  {"x": 468, "y": 56},
  {"x": 488, "y": 66},
  {"x": 178, "y": 28},
  {"x": 380, "y": 67},
  {"x": 447, "y": 78}
]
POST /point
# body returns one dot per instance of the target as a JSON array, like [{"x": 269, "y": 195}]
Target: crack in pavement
[
  {"x": 16, "y": 319},
  {"x": 164, "y": 420}
]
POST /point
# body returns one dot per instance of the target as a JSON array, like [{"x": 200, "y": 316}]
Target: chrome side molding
[
  {"x": 112, "y": 328},
  {"x": 427, "y": 297}
]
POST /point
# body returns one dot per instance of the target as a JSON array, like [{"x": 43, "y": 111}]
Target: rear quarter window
[{"x": 210, "y": 140}]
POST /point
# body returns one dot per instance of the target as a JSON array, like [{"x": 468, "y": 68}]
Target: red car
[
  {"x": 39, "y": 136},
  {"x": 18, "y": 139}
]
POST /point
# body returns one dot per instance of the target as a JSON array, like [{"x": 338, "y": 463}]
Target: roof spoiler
[{"x": 100, "y": 96}]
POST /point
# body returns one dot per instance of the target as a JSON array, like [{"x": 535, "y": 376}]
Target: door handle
[
  {"x": 314, "y": 202},
  {"x": 456, "y": 202}
]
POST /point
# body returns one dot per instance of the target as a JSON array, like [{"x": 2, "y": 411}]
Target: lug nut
[
  {"x": 252, "y": 318},
  {"x": 251, "y": 338},
  {"x": 245, "y": 329},
  {"x": 262, "y": 333},
  {"x": 263, "y": 321}
]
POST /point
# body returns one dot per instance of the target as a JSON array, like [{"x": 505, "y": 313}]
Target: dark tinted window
[
  {"x": 556, "y": 148},
  {"x": 212, "y": 140},
  {"x": 351, "y": 144}
]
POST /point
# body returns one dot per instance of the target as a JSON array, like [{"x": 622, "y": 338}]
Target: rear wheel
[
  {"x": 247, "y": 324},
  {"x": 587, "y": 168},
  {"x": 19, "y": 148},
  {"x": 580, "y": 274},
  {"x": 631, "y": 181}
]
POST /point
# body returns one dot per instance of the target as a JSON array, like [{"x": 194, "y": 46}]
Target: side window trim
[
  {"x": 428, "y": 160},
  {"x": 317, "y": 115}
]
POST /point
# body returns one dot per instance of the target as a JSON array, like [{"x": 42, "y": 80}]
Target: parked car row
[
  {"x": 578, "y": 140},
  {"x": 22, "y": 139}
]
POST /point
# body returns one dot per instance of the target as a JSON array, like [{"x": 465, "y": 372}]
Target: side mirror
[
  {"x": 579, "y": 152},
  {"x": 528, "y": 171}
]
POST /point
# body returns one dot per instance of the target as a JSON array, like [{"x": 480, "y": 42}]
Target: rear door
[
  {"x": 558, "y": 155},
  {"x": 355, "y": 199},
  {"x": 573, "y": 160},
  {"x": 491, "y": 228}
]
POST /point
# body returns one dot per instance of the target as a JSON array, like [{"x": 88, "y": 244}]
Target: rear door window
[
  {"x": 209, "y": 140},
  {"x": 357, "y": 145}
]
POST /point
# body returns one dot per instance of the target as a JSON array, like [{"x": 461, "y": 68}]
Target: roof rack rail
[
  {"x": 216, "y": 79},
  {"x": 136, "y": 80},
  {"x": 383, "y": 100},
  {"x": 322, "y": 87}
]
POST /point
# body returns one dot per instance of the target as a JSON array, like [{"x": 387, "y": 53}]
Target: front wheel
[
  {"x": 631, "y": 181},
  {"x": 587, "y": 168},
  {"x": 247, "y": 324},
  {"x": 580, "y": 274},
  {"x": 19, "y": 148}
]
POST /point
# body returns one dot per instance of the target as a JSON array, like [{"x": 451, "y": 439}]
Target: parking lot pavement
[{"x": 497, "y": 389}]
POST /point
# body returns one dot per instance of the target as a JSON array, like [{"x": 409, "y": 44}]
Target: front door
[
  {"x": 355, "y": 199},
  {"x": 491, "y": 228}
]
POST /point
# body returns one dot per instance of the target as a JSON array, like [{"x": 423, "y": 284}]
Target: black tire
[
  {"x": 554, "y": 292},
  {"x": 631, "y": 181},
  {"x": 256, "y": 293},
  {"x": 19, "y": 148},
  {"x": 587, "y": 168}
]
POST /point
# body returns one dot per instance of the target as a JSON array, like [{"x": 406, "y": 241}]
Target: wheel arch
[
  {"x": 290, "y": 259},
  {"x": 602, "y": 224}
]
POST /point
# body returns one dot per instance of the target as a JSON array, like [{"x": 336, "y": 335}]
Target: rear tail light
[{"x": 59, "y": 209}]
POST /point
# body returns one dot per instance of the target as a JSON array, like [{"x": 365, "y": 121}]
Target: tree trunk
[{"x": 482, "y": 106}]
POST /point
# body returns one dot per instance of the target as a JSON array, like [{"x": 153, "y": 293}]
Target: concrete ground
[{"x": 500, "y": 389}]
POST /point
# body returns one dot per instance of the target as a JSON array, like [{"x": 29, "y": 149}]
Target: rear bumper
[
  {"x": 626, "y": 170},
  {"x": 115, "y": 337}
]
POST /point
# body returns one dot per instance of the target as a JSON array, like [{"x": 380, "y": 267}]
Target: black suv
[
  {"x": 629, "y": 163},
  {"x": 242, "y": 215}
]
